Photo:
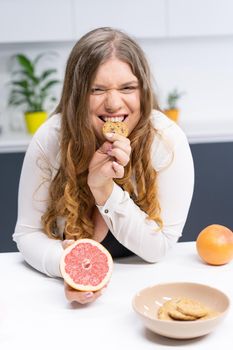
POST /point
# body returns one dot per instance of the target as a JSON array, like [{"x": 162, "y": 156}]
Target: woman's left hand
[{"x": 80, "y": 296}]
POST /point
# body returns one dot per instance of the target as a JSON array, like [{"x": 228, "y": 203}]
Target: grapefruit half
[{"x": 86, "y": 265}]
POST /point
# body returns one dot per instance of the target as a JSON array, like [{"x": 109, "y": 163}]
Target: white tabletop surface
[{"x": 34, "y": 313}]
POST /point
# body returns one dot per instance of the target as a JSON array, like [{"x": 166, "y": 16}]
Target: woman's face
[{"x": 115, "y": 96}]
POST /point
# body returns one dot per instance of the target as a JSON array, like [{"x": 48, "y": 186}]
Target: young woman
[{"x": 131, "y": 193}]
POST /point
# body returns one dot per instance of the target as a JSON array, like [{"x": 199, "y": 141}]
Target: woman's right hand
[{"x": 76, "y": 295}]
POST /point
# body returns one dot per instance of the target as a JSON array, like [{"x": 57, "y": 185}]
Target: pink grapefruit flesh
[{"x": 86, "y": 265}]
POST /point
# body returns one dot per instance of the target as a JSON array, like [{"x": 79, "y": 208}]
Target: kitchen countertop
[
  {"x": 34, "y": 313},
  {"x": 11, "y": 142}
]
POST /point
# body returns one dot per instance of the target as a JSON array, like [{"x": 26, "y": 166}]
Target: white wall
[{"x": 202, "y": 67}]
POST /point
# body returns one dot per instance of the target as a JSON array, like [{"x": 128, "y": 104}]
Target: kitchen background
[{"x": 189, "y": 44}]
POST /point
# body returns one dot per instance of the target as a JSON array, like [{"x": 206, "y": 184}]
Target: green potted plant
[
  {"x": 32, "y": 89},
  {"x": 172, "y": 110}
]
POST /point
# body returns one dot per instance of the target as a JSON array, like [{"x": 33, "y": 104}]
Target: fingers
[
  {"x": 122, "y": 157},
  {"x": 113, "y": 138},
  {"x": 81, "y": 297},
  {"x": 106, "y": 146},
  {"x": 118, "y": 170},
  {"x": 67, "y": 242},
  {"x": 124, "y": 146},
  {"x": 120, "y": 149},
  {"x": 108, "y": 161}
]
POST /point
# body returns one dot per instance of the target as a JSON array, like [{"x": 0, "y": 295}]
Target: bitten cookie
[{"x": 115, "y": 127}]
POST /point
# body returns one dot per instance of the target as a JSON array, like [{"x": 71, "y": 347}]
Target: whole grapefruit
[
  {"x": 215, "y": 244},
  {"x": 86, "y": 265}
]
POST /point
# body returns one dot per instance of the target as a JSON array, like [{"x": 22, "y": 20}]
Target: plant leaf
[
  {"x": 22, "y": 92},
  {"x": 47, "y": 73},
  {"x": 22, "y": 83},
  {"x": 25, "y": 62},
  {"x": 49, "y": 85},
  {"x": 37, "y": 59},
  {"x": 27, "y": 86},
  {"x": 33, "y": 78},
  {"x": 16, "y": 102}
]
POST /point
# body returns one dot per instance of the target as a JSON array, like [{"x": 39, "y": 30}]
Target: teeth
[{"x": 113, "y": 119}]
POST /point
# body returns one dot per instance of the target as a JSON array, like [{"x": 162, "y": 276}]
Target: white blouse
[{"x": 172, "y": 159}]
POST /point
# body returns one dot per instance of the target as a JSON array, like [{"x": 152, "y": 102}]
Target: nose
[{"x": 113, "y": 101}]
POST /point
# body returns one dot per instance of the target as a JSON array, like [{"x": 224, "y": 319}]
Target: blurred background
[{"x": 189, "y": 45}]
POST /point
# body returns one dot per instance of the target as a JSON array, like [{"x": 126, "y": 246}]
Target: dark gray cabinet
[
  {"x": 213, "y": 193},
  {"x": 10, "y": 168},
  {"x": 212, "y": 200}
]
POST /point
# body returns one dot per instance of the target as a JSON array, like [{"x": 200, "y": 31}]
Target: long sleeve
[
  {"x": 172, "y": 159},
  {"x": 40, "y": 251}
]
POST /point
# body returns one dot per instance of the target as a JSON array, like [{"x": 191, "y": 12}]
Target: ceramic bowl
[{"x": 147, "y": 302}]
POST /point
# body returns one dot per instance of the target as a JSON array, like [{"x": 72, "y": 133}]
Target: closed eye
[
  {"x": 125, "y": 90},
  {"x": 129, "y": 89},
  {"x": 97, "y": 91}
]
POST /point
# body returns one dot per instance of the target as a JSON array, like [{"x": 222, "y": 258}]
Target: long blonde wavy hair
[{"x": 70, "y": 196}]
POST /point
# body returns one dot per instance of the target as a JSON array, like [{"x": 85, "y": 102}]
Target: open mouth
[{"x": 113, "y": 119}]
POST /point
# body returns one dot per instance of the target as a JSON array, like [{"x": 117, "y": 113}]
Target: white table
[{"x": 34, "y": 313}]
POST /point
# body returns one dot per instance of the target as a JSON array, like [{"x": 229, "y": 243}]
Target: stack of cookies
[{"x": 184, "y": 309}]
